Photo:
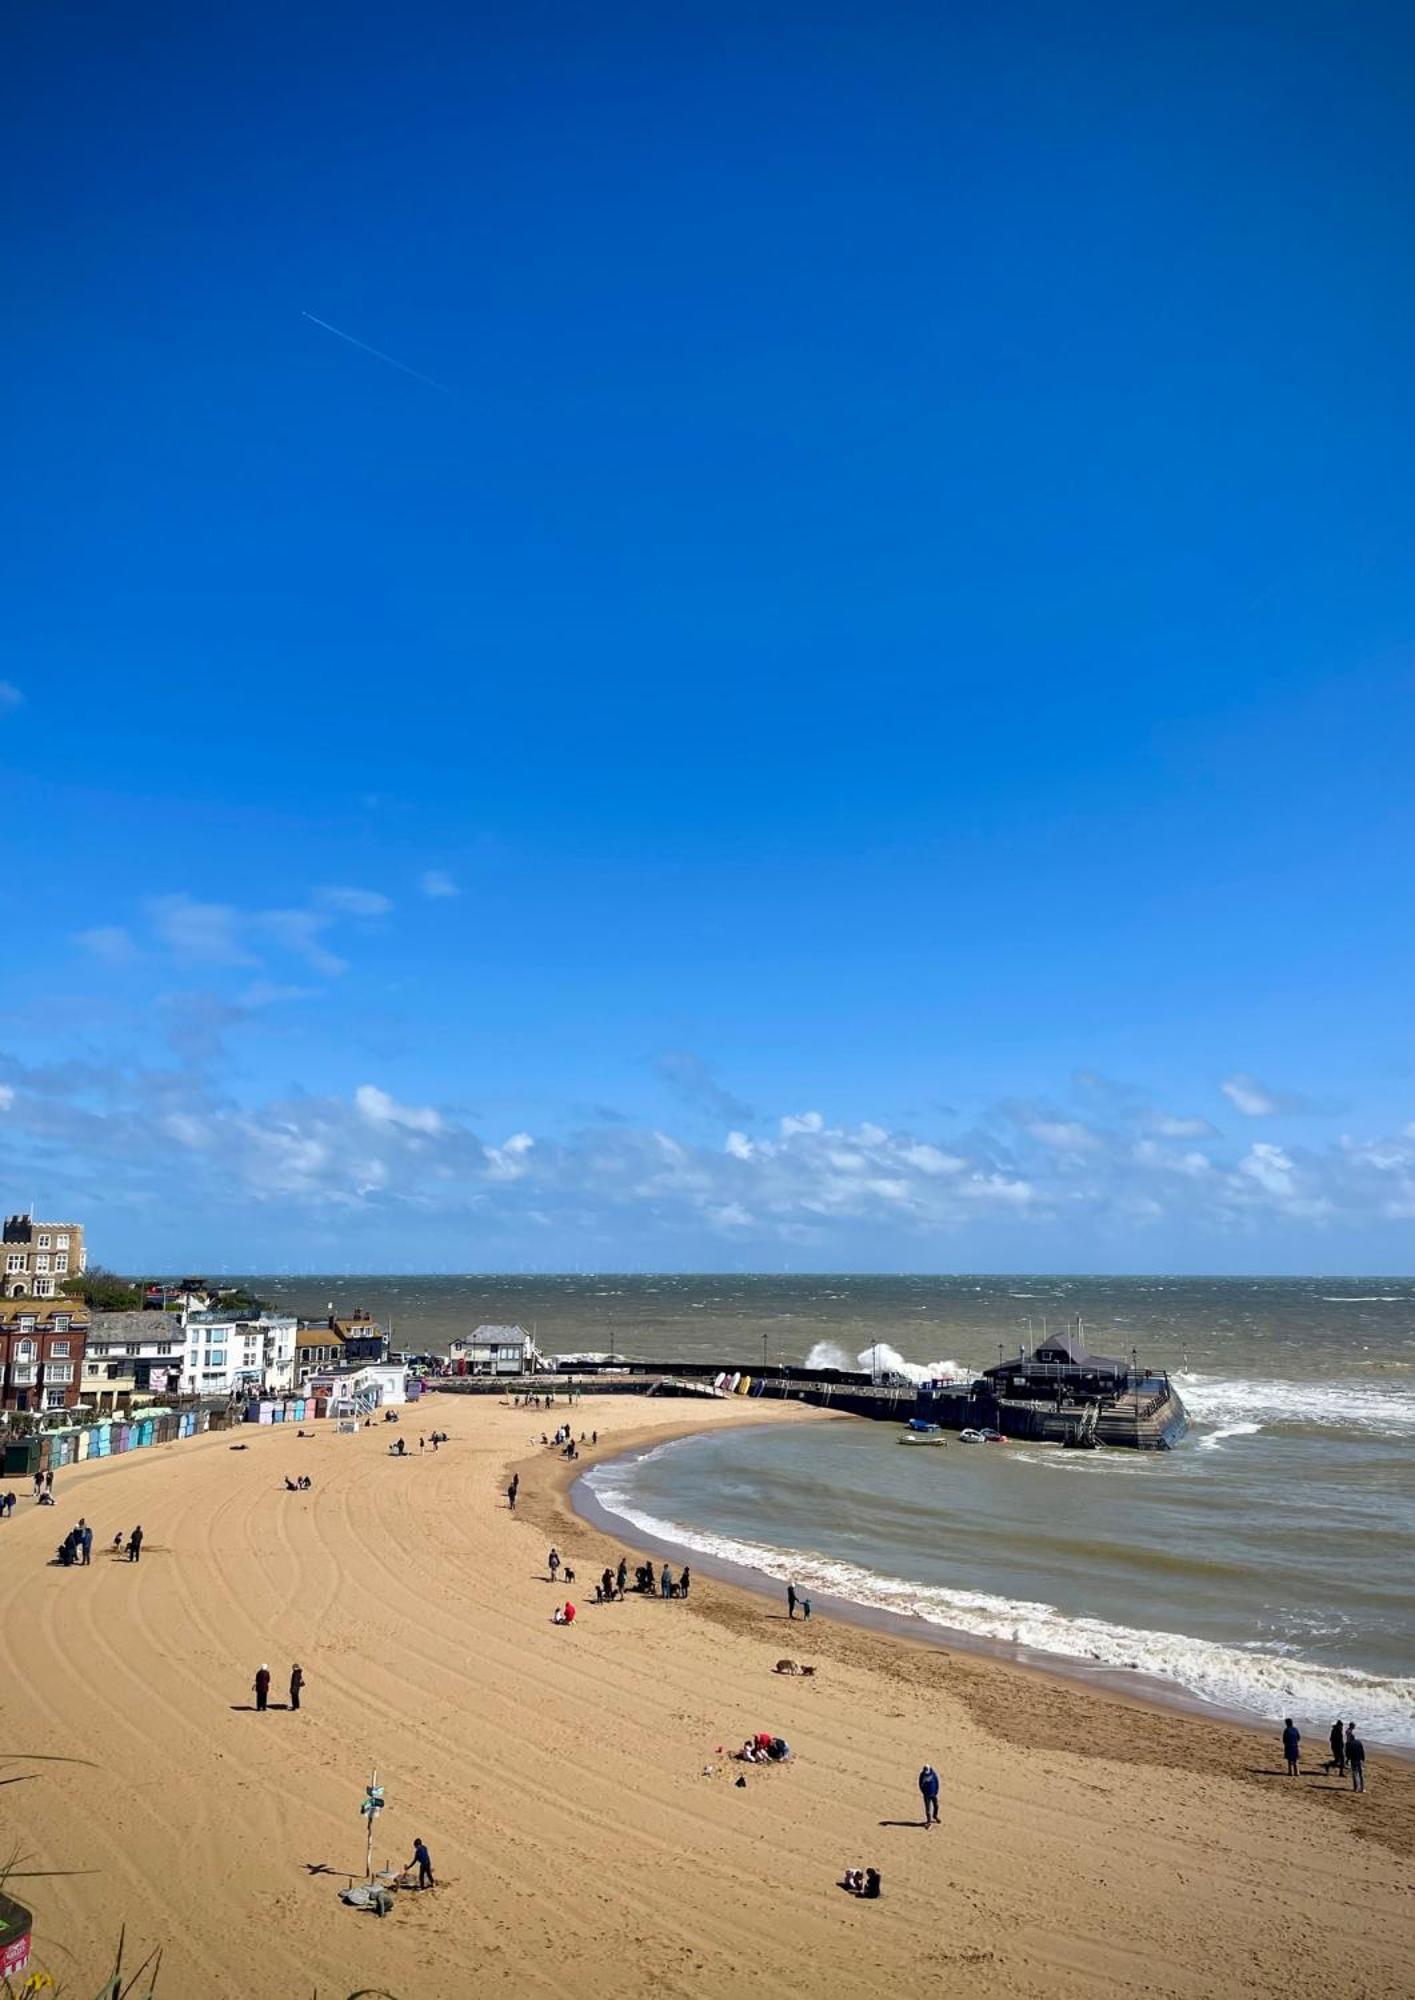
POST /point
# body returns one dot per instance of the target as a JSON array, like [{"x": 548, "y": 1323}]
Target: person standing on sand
[
  {"x": 552, "y": 1563},
  {"x": 135, "y": 1544},
  {"x": 790, "y": 1600},
  {"x": 423, "y": 1861},
  {"x": 86, "y": 1543},
  {"x": 1337, "y": 1761},
  {"x": 621, "y": 1575},
  {"x": 665, "y": 1582},
  {"x": 928, "y": 1792},
  {"x": 297, "y": 1681},
  {"x": 512, "y": 1490},
  {"x": 1291, "y": 1745},
  {"x": 262, "y": 1689},
  {"x": 684, "y": 1580},
  {"x": 1355, "y": 1758}
]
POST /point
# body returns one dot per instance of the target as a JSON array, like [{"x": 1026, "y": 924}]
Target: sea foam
[{"x": 1251, "y": 1680}]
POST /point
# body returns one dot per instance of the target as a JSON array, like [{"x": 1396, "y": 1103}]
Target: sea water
[{"x": 1265, "y": 1566}]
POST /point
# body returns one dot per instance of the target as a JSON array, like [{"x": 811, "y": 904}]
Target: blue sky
[{"x": 854, "y": 711}]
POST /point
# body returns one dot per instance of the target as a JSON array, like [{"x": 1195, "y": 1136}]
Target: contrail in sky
[{"x": 376, "y": 352}]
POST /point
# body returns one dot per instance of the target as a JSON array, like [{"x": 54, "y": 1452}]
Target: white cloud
[
  {"x": 1181, "y": 1128},
  {"x": 7, "y": 1097},
  {"x": 380, "y": 1109},
  {"x": 302, "y": 934},
  {"x": 805, "y": 1121},
  {"x": 1249, "y": 1096},
  {"x": 1064, "y": 1136},
  {"x": 437, "y": 884},
  {"x": 200, "y": 933},
  {"x": 10, "y": 697},
  {"x": 353, "y": 902},
  {"x": 108, "y": 942}
]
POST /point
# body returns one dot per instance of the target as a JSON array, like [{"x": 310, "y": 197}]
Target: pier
[{"x": 1080, "y": 1400}]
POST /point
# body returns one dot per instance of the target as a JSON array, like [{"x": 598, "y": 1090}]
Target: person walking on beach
[
  {"x": 665, "y": 1582},
  {"x": 552, "y": 1563},
  {"x": 1355, "y": 1758},
  {"x": 262, "y": 1689},
  {"x": 928, "y": 1792},
  {"x": 135, "y": 1544},
  {"x": 297, "y": 1681},
  {"x": 423, "y": 1862},
  {"x": 790, "y": 1600},
  {"x": 1337, "y": 1761},
  {"x": 1291, "y": 1744},
  {"x": 85, "y": 1543},
  {"x": 683, "y": 1581},
  {"x": 512, "y": 1490}
]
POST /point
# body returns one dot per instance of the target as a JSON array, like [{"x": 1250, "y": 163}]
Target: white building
[
  {"x": 494, "y": 1350},
  {"x": 226, "y": 1355},
  {"x": 356, "y": 1387},
  {"x": 132, "y": 1357}
]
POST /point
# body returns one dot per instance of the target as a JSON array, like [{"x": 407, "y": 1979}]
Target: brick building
[
  {"x": 41, "y": 1257},
  {"x": 42, "y": 1354}
]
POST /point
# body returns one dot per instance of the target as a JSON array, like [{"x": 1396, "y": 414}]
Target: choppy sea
[{"x": 1267, "y": 1566}]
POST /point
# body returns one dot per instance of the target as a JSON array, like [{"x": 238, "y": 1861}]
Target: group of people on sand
[
  {"x": 7, "y": 1503},
  {"x": 44, "y": 1489},
  {"x": 261, "y": 1685},
  {"x": 300, "y": 1485},
  {"x": 1348, "y": 1752},
  {"x": 76, "y": 1549},
  {"x": 613, "y": 1584}
]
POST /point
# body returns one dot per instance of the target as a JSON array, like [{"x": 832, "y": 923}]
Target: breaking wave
[
  {"x": 1229, "y": 1401},
  {"x": 882, "y": 1359},
  {"x": 1254, "y": 1680}
]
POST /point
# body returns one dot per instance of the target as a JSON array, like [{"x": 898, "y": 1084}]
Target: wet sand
[{"x": 586, "y": 1832}]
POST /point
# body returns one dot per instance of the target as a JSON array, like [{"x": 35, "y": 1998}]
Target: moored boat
[{"x": 916, "y": 1431}]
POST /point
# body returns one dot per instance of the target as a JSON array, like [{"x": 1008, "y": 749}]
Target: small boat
[
  {"x": 981, "y": 1437},
  {"x": 918, "y": 1432}
]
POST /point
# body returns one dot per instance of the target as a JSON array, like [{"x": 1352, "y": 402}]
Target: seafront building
[
  {"x": 133, "y": 1357},
  {"x": 42, "y": 1355},
  {"x": 494, "y": 1350},
  {"x": 41, "y": 1257},
  {"x": 229, "y": 1354}
]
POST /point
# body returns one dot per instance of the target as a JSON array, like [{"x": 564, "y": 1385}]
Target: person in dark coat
[
  {"x": 135, "y": 1544},
  {"x": 790, "y": 1600},
  {"x": 1291, "y": 1745},
  {"x": 297, "y": 1681},
  {"x": 684, "y": 1580},
  {"x": 262, "y": 1689},
  {"x": 85, "y": 1544},
  {"x": 1355, "y": 1758},
  {"x": 424, "y": 1864},
  {"x": 928, "y": 1792},
  {"x": 1337, "y": 1761}
]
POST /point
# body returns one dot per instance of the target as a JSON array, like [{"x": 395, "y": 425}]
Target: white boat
[
  {"x": 981, "y": 1437},
  {"x": 918, "y": 1432}
]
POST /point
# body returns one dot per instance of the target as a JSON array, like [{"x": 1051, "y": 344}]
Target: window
[
  {"x": 164, "y": 1347},
  {"x": 59, "y": 1371},
  {"x": 15, "y": 1260},
  {"x": 44, "y": 1288},
  {"x": 61, "y": 1322},
  {"x": 55, "y": 1399},
  {"x": 61, "y": 1260},
  {"x": 59, "y": 1348},
  {"x": 41, "y": 1262},
  {"x": 25, "y": 1351},
  {"x": 91, "y": 1368},
  {"x": 216, "y": 1358},
  {"x": 99, "y": 1347},
  {"x": 61, "y": 1242},
  {"x": 42, "y": 1242}
]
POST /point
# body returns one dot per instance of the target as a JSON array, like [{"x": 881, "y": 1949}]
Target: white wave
[
  {"x": 1379, "y": 1411},
  {"x": 1216, "y": 1438},
  {"x": 1362, "y": 1299},
  {"x": 1262, "y": 1682},
  {"x": 879, "y": 1358}
]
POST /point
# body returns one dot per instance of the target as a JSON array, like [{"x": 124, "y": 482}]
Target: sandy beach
[{"x": 586, "y": 1830}]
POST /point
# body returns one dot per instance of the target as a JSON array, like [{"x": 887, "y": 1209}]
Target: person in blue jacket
[
  {"x": 1291, "y": 1745},
  {"x": 928, "y": 1791}
]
